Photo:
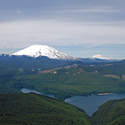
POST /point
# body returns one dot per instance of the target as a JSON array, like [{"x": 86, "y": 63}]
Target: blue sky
[{"x": 81, "y": 28}]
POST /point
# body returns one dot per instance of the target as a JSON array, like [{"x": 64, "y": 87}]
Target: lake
[
  {"x": 90, "y": 104},
  {"x": 25, "y": 90}
]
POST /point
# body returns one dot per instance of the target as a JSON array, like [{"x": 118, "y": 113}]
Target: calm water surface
[
  {"x": 90, "y": 104},
  {"x": 25, "y": 90}
]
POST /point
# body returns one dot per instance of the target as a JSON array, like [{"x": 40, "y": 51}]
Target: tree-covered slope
[
  {"x": 31, "y": 109},
  {"x": 115, "y": 68},
  {"x": 62, "y": 81},
  {"x": 72, "y": 80},
  {"x": 15, "y": 63},
  {"x": 110, "y": 113}
]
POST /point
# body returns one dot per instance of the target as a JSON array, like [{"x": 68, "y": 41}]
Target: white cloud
[{"x": 27, "y": 32}]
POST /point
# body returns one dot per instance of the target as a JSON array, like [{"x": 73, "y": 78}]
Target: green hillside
[
  {"x": 71, "y": 81},
  {"x": 65, "y": 81},
  {"x": 31, "y": 109},
  {"x": 110, "y": 113}
]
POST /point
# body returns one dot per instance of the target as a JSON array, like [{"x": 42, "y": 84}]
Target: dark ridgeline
[
  {"x": 32, "y": 109},
  {"x": 110, "y": 113}
]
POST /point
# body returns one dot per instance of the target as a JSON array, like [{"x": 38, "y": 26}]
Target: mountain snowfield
[
  {"x": 98, "y": 56},
  {"x": 50, "y": 52},
  {"x": 43, "y": 50}
]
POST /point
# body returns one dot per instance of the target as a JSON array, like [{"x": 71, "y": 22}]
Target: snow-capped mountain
[
  {"x": 98, "y": 56},
  {"x": 42, "y": 50}
]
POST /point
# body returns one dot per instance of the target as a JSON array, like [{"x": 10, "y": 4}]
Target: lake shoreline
[
  {"x": 89, "y": 103},
  {"x": 103, "y": 94}
]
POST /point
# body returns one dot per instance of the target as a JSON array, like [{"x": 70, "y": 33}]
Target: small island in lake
[{"x": 104, "y": 93}]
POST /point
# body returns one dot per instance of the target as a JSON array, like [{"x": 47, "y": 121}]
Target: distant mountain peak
[
  {"x": 42, "y": 50},
  {"x": 98, "y": 56}
]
